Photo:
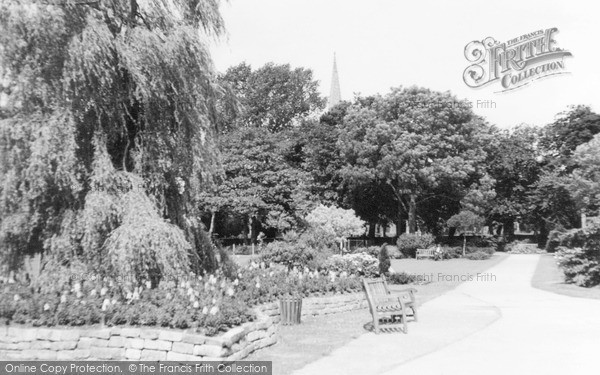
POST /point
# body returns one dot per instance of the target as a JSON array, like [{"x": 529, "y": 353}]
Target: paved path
[{"x": 500, "y": 326}]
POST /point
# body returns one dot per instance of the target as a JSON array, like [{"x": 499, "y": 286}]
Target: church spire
[{"x": 334, "y": 95}]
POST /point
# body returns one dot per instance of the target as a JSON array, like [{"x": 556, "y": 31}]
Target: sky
[{"x": 381, "y": 44}]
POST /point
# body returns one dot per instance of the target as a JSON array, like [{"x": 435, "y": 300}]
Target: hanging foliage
[{"x": 108, "y": 132}]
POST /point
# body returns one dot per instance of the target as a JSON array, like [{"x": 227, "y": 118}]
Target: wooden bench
[
  {"x": 425, "y": 253},
  {"x": 389, "y": 308}
]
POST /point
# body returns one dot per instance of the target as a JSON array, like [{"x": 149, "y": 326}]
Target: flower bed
[
  {"x": 145, "y": 343},
  {"x": 206, "y": 305}
]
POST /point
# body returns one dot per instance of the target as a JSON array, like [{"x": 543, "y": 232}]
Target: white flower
[
  {"x": 213, "y": 310},
  {"x": 148, "y": 284},
  {"x": 79, "y": 294},
  {"x": 236, "y": 282},
  {"x": 114, "y": 301},
  {"x": 257, "y": 285},
  {"x": 103, "y": 291},
  {"x": 192, "y": 298},
  {"x": 214, "y": 301},
  {"x": 93, "y": 292},
  {"x": 105, "y": 304},
  {"x": 200, "y": 277},
  {"x": 77, "y": 287},
  {"x": 63, "y": 298},
  {"x": 17, "y": 297},
  {"x": 196, "y": 304},
  {"x": 129, "y": 295},
  {"x": 136, "y": 295},
  {"x": 230, "y": 292},
  {"x": 46, "y": 307},
  {"x": 205, "y": 310},
  {"x": 271, "y": 273},
  {"x": 190, "y": 291}
]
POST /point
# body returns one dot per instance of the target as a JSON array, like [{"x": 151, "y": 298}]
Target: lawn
[
  {"x": 549, "y": 277},
  {"x": 317, "y": 337}
]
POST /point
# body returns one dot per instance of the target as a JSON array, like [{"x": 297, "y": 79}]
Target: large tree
[
  {"x": 513, "y": 163},
  {"x": 413, "y": 140},
  {"x": 270, "y": 97},
  {"x": 262, "y": 183},
  {"x": 110, "y": 129},
  {"x": 571, "y": 128}
]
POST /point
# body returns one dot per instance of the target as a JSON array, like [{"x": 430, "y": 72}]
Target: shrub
[
  {"x": 579, "y": 255},
  {"x": 384, "y": 260},
  {"x": 310, "y": 249},
  {"x": 488, "y": 250},
  {"x": 408, "y": 243},
  {"x": 523, "y": 247},
  {"x": 337, "y": 222},
  {"x": 318, "y": 239},
  {"x": 483, "y": 241},
  {"x": 361, "y": 264},
  {"x": 553, "y": 241},
  {"x": 371, "y": 250},
  {"x": 394, "y": 253},
  {"x": 478, "y": 255}
]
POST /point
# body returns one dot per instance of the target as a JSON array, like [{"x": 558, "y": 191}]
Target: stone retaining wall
[
  {"x": 133, "y": 343},
  {"x": 151, "y": 344},
  {"x": 315, "y": 306}
]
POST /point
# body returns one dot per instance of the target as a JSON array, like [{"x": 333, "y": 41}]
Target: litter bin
[{"x": 290, "y": 310}]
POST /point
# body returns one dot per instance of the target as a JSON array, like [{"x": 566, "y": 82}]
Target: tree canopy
[
  {"x": 270, "y": 97},
  {"x": 412, "y": 140}
]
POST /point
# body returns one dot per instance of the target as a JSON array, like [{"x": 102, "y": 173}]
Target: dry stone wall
[{"x": 152, "y": 344}]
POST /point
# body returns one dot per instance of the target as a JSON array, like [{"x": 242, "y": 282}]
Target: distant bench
[{"x": 425, "y": 253}]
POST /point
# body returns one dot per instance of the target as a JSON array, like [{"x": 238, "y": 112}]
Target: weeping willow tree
[{"x": 107, "y": 132}]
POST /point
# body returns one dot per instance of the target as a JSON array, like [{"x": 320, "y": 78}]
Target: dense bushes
[
  {"x": 408, "y": 243},
  {"x": 361, "y": 264},
  {"x": 553, "y": 240},
  {"x": 478, "y": 241},
  {"x": 478, "y": 255},
  {"x": 310, "y": 249},
  {"x": 371, "y": 250},
  {"x": 579, "y": 255}
]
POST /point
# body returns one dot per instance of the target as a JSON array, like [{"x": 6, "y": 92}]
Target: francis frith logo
[{"x": 514, "y": 63}]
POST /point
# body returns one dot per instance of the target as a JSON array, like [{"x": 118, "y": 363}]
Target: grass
[
  {"x": 318, "y": 336},
  {"x": 549, "y": 277}
]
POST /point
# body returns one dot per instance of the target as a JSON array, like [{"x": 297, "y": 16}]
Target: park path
[{"x": 501, "y": 325}]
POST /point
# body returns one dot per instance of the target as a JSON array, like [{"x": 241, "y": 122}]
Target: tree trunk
[
  {"x": 412, "y": 214},
  {"x": 451, "y": 232},
  {"x": 372, "y": 227},
  {"x": 542, "y": 237},
  {"x": 399, "y": 219},
  {"x": 509, "y": 228},
  {"x": 211, "y": 230},
  {"x": 250, "y": 229},
  {"x": 464, "y": 244}
]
